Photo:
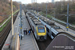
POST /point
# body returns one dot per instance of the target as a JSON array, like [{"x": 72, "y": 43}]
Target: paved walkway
[{"x": 28, "y": 42}]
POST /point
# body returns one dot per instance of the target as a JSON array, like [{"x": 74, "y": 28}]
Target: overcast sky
[{"x": 29, "y": 1}]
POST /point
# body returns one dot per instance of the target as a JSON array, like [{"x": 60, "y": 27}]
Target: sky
[{"x": 29, "y": 1}]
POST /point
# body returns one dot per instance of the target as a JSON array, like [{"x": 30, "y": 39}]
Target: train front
[{"x": 41, "y": 33}]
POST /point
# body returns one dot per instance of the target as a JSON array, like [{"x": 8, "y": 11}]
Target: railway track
[
  {"x": 44, "y": 44},
  {"x": 5, "y": 32}
]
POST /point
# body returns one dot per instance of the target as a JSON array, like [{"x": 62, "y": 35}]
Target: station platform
[
  {"x": 28, "y": 42},
  {"x": 9, "y": 39}
]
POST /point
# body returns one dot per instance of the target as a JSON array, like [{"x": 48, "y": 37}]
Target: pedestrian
[
  {"x": 20, "y": 36},
  {"x": 29, "y": 32},
  {"x": 24, "y": 32},
  {"x": 30, "y": 29}
]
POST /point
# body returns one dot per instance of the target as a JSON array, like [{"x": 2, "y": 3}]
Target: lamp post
[{"x": 12, "y": 18}]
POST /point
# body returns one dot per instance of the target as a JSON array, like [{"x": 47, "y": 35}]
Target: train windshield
[{"x": 41, "y": 29}]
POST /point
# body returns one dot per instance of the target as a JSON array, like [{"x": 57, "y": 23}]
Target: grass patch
[
  {"x": 48, "y": 16},
  {"x": 73, "y": 23},
  {"x": 4, "y": 26},
  {"x": 42, "y": 13},
  {"x": 6, "y": 22},
  {"x": 3, "y": 22},
  {"x": 9, "y": 16}
]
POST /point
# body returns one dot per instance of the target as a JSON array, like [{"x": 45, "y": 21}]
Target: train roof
[{"x": 40, "y": 26}]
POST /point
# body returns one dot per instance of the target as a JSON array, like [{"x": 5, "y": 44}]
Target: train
[
  {"x": 58, "y": 35},
  {"x": 38, "y": 28},
  {"x": 52, "y": 29}
]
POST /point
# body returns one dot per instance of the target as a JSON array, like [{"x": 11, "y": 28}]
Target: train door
[{"x": 47, "y": 30}]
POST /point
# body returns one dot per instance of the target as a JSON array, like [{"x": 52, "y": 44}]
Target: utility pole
[
  {"x": 67, "y": 16},
  {"x": 53, "y": 7},
  {"x": 20, "y": 23},
  {"x": 37, "y": 6},
  {"x": 12, "y": 18},
  {"x": 20, "y": 19}
]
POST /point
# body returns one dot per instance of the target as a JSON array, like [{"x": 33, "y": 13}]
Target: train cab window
[{"x": 41, "y": 29}]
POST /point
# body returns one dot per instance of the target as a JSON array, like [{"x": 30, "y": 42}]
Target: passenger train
[
  {"x": 38, "y": 28},
  {"x": 52, "y": 29}
]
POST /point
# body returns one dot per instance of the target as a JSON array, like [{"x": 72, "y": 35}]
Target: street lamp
[{"x": 12, "y": 17}]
